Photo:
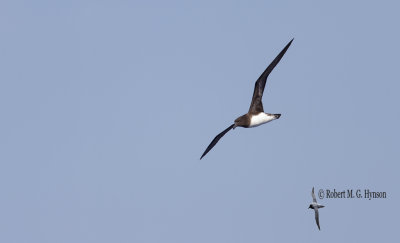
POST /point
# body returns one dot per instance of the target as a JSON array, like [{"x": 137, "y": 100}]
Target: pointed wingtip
[{"x": 285, "y": 49}]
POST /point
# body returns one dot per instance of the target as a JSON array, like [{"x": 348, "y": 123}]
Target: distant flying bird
[
  {"x": 255, "y": 116},
  {"x": 314, "y": 205}
]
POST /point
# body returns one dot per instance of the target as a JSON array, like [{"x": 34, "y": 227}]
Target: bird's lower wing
[
  {"x": 216, "y": 139},
  {"x": 317, "y": 218}
]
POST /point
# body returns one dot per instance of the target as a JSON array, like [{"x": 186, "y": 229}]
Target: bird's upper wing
[
  {"x": 216, "y": 139},
  {"x": 256, "y": 103},
  {"x": 313, "y": 196},
  {"x": 317, "y": 217}
]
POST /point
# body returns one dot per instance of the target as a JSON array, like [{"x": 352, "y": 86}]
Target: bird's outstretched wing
[
  {"x": 313, "y": 196},
  {"x": 317, "y": 217},
  {"x": 256, "y": 103},
  {"x": 216, "y": 139}
]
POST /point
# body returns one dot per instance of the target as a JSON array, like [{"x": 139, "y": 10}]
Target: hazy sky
[{"x": 107, "y": 106}]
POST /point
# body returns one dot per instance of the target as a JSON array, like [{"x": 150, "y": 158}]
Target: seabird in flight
[
  {"x": 314, "y": 205},
  {"x": 256, "y": 115}
]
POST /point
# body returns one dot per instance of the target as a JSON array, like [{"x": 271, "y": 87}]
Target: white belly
[{"x": 261, "y": 118}]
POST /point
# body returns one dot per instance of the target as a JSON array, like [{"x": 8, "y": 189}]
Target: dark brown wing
[
  {"x": 256, "y": 103},
  {"x": 216, "y": 139}
]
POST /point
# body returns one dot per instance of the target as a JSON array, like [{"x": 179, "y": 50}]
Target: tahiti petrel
[{"x": 256, "y": 115}]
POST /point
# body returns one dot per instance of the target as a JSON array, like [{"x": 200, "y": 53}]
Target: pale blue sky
[{"x": 107, "y": 106}]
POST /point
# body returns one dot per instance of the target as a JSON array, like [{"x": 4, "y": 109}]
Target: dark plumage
[{"x": 255, "y": 115}]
